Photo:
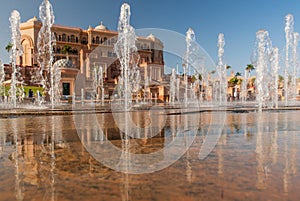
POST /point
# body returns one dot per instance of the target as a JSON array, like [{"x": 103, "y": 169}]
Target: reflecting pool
[{"x": 256, "y": 158}]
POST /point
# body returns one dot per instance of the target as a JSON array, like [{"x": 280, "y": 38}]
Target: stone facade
[{"x": 90, "y": 48}]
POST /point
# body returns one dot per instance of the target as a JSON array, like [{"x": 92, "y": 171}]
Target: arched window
[
  {"x": 68, "y": 38},
  {"x": 59, "y": 38},
  {"x": 72, "y": 38},
  {"x": 76, "y": 39},
  {"x": 93, "y": 41},
  {"x": 64, "y": 37},
  {"x": 84, "y": 40},
  {"x": 105, "y": 41},
  {"x": 55, "y": 34},
  {"x": 97, "y": 40}
]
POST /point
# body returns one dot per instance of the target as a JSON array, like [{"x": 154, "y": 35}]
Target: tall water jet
[
  {"x": 46, "y": 41},
  {"x": 188, "y": 60},
  {"x": 126, "y": 51},
  {"x": 289, "y": 30},
  {"x": 16, "y": 51},
  {"x": 244, "y": 86},
  {"x": 98, "y": 81},
  {"x": 275, "y": 69},
  {"x": 262, "y": 54},
  {"x": 221, "y": 70},
  {"x": 173, "y": 86},
  {"x": 55, "y": 84},
  {"x": 295, "y": 67},
  {"x": 2, "y": 79}
]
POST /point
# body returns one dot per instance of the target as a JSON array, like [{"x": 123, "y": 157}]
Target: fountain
[
  {"x": 2, "y": 79},
  {"x": 46, "y": 41},
  {"x": 98, "y": 83},
  {"x": 146, "y": 85},
  {"x": 291, "y": 61},
  {"x": 173, "y": 86},
  {"x": 221, "y": 96},
  {"x": 244, "y": 86},
  {"x": 16, "y": 51},
  {"x": 274, "y": 82},
  {"x": 42, "y": 164},
  {"x": 295, "y": 67},
  {"x": 189, "y": 61},
  {"x": 261, "y": 60},
  {"x": 126, "y": 51}
]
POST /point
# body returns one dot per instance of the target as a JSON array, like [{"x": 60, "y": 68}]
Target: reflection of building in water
[
  {"x": 290, "y": 153},
  {"x": 33, "y": 156},
  {"x": 188, "y": 169},
  {"x": 274, "y": 139},
  {"x": 260, "y": 168},
  {"x": 267, "y": 156}
]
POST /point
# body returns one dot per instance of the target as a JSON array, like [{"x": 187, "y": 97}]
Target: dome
[
  {"x": 151, "y": 36},
  {"x": 101, "y": 27},
  {"x": 64, "y": 63},
  {"x": 34, "y": 19},
  {"x": 154, "y": 39}
]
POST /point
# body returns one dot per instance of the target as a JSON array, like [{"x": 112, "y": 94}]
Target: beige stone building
[{"x": 90, "y": 48}]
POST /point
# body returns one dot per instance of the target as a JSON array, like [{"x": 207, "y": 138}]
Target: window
[
  {"x": 64, "y": 37},
  {"x": 84, "y": 40},
  {"x": 59, "y": 38},
  {"x": 76, "y": 39},
  {"x": 111, "y": 54},
  {"x": 66, "y": 88},
  {"x": 97, "y": 40},
  {"x": 72, "y": 38},
  {"x": 68, "y": 38}
]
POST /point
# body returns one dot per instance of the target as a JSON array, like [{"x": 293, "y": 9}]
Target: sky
[{"x": 239, "y": 20}]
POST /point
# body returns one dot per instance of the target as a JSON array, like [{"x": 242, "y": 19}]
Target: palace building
[{"x": 92, "y": 48}]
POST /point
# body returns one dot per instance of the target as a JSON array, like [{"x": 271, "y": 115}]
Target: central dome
[{"x": 101, "y": 27}]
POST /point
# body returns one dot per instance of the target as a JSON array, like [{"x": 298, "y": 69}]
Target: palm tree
[
  {"x": 237, "y": 74},
  {"x": 212, "y": 72},
  {"x": 8, "y": 47},
  {"x": 66, "y": 50},
  {"x": 250, "y": 67}
]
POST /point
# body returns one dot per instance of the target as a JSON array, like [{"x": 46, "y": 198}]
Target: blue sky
[{"x": 239, "y": 20}]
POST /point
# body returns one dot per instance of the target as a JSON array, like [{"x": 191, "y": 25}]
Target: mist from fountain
[
  {"x": 46, "y": 41},
  {"x": 16, "y": 51}
]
